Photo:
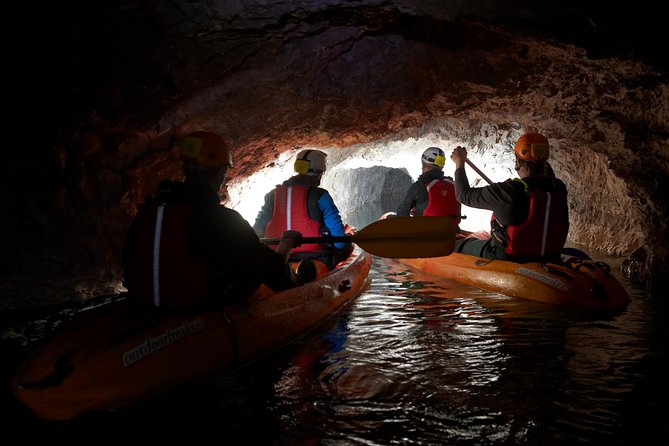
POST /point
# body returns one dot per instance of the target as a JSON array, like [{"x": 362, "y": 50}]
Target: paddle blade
[{"x": 408, "y": 237}]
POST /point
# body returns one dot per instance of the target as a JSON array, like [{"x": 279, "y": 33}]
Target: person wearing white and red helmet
[{"x": 433, "y": 193}]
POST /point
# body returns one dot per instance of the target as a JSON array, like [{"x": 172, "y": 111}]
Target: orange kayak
[
  {"x": 110, "y": 357},
  {"x": 576, "y": 282}
]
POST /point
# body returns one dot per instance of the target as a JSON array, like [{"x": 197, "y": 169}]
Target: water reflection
[
  {"x": 418, "y": 360},
  {"x": 430, "y": 361}
]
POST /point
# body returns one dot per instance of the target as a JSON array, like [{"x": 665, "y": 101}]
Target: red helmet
[
  {"x": 532, "y": 147},
  {"x": 206, "y": 149}
]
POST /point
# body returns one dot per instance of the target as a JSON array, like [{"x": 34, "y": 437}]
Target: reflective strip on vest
[
  {"x": 430, "y": 184},
  {"x": 289, "y": 206},
  {"x": 441, "y": 200},
  {"x": 156, "y": 254},
  {"x": 291, "y": 212},
  {"x": 547, "y": 213}
]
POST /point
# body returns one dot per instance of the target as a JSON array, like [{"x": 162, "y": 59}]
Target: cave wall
[{"x": 98, "y": 99}]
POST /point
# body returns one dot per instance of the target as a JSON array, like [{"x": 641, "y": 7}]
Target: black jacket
[
  {"x": 416, "y": 196},
  {"x": 508, "y": 200},
  {"x": 218, "y": 236}
]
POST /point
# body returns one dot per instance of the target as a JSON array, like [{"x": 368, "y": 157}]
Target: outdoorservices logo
[{"x": 151, "y": 345}]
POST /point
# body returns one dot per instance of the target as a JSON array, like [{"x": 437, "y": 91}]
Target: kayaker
[
  {"x": 530, "y": 219},
  {"x": 185, "y": 249},
  {"x": 299, "y": 203},
  {"x": 433, "y": 193}
]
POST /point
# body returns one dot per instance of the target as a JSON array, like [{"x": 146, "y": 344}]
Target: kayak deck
[
  {"x": 578, "y": 282},
  {"x": 110, "y": 357}
]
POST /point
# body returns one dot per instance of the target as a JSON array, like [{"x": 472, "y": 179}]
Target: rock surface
[{"x": 97, "y": 98}]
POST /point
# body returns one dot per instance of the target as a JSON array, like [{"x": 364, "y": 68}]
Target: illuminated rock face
[
  {"x": 94, "y": 107},
  {"x": 364, "y": 194}
]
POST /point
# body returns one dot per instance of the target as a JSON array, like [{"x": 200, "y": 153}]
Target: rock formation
[{"x": 98, "y": 92}]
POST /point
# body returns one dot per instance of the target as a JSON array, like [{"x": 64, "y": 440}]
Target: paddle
[
  {"x": 399, "y": 237},
  {"x": 481, "y": 174}
]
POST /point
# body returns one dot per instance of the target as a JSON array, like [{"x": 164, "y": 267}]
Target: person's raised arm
[{"x": 459, "y": 157}]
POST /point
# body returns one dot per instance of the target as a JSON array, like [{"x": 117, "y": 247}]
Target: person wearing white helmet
[
  {"x": 300, "y": 204},
  {"x": 530, "y": 219},
  {"x": 184, "y": 249},
  {"x": 433, "y": 193}
]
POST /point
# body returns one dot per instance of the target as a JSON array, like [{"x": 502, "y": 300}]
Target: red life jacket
[
  {"x": 160, "y": 271},
  {"x": 291, "y": 212},
  {"x": 544, "y": 232},
  {"x": 441, "y": 200}
]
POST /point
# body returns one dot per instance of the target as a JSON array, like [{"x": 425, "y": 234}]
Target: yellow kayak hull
[{"x": 577, "y": 283}]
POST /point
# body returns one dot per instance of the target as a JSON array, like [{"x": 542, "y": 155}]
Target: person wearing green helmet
[{"x": 185, "y": 249}]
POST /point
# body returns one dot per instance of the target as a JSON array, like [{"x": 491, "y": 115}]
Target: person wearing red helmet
[
  {"x": 185, "y": 249},
  {"x": 530, "y": 219}
]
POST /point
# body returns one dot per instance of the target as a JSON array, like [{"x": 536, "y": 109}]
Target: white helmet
[
  {"x": 310, "y": 162},
  {"x": 434, "y": 156}
]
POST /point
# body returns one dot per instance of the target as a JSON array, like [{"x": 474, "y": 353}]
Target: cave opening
[{"x": 368, "y": 180}]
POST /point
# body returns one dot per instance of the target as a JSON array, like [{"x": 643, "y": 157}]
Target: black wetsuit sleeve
[
  {"x": 410, "y": 199},
  {"x": 235, "y": 247},
  {"x": 266, "y": 265},
  {"x": 500, "y": 198}
]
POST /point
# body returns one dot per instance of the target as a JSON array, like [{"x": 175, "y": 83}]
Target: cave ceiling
[{"x": 98, "y": 90}]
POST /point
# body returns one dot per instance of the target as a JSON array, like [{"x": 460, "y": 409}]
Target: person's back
[
  {"x": 300, "y": 204},
  {"x": 543, "y": 233},
  {"x": 186, "y": 250},
  {"x": 433, "y": 193},
  {"x": 530, "y": 220},
  {"x": 156, "y": 237}
]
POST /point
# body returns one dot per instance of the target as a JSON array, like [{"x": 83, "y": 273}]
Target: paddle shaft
[
  {"x": 323, "y": 239},
  {"x": 481, "y": 174},
  {"x": 399, "y": 237}
]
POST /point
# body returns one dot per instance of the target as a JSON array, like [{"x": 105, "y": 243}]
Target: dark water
[{"x": 414, "y": 360}]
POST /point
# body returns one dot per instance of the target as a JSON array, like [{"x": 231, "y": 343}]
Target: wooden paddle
[
  {"x": 399, "y": 237},
  {"x": 481, "y": 174}
]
